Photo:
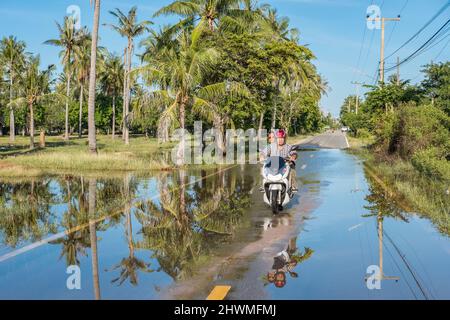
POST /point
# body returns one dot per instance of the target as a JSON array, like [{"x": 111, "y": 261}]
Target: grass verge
[{"x": 429, "y": 198}]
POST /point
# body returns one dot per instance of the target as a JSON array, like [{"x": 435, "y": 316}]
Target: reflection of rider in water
[{"x": 285, "y": 261}]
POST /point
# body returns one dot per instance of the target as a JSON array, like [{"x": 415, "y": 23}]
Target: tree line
[
  {"x": 226, "y": 62},
  {"x": 409, "y": 122}
]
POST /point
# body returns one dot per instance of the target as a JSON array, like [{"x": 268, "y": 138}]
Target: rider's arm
[
  {"x": 292, "y": 154},
  {"x": 264, "y": 153}
]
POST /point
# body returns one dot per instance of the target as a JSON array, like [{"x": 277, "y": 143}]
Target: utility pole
[
  {"x": 398, "y": 71},
  {"x": 357, "y": 84},
  {"x": 382, "y": 42}
]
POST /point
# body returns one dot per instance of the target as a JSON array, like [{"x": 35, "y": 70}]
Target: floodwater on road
[{"x": 178, "y": 234}]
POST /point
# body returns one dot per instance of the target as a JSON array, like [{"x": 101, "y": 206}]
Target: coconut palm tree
[
  {"x": 35, "y": 85},
  {"x": 128, "y": 27},
  {"x": 112, "y": 79},
  {"x": 13, "y": 57},
  {"x": 92, "y": 80},
  {"x": 279, "y": 25},
  {"x": 206, "y": 12},
  {"x": 82, "y": 63},
  {"x": 179, "y": 73},
  {"x": 69, "y": 39}
]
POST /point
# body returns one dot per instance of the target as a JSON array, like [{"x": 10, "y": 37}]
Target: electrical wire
[
  {"x": 430, "y": 40},
  {"x": 442, "y": 9}
]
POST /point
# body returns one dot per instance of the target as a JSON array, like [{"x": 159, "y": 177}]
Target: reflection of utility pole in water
[{"x": 381, "y": 275}]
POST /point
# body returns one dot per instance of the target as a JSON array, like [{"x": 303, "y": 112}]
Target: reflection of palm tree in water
[
  {"x": 93, "y": 236},
  {"x": 130, "y": 265},
  {"x": 74, "y": 243},
  {"x": 188, "y": 222},
  {"x": 285, "y": 262},
  {"x": 25, "y": 213}
]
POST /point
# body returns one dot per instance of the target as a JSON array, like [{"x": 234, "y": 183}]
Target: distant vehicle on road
[{"x": 345, "y": 129}]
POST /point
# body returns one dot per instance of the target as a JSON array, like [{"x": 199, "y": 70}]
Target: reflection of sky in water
[
  {"x": 41, "y": 272},
  {"x": 344, "y": 242},
  {"x": 337, "y": 268}
]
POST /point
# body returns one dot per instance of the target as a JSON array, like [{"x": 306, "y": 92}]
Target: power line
[
  {"x": 442, "y": 9},
  {"x": 430, "y": 40},
  {"x": 408, "y": 266},
  {"x": 395, "y": 25},
  {"x": 442, "y": 50}
]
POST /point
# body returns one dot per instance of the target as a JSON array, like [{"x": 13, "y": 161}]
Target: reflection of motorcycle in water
[
  {"x": 285, "y": 262},
  {"x": 276, "y": 183}
]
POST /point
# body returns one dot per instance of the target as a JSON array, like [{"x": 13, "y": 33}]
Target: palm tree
[
  {"x": 279, "y": 25},
  {"x": 112, "y": 79},
  {"x": 69, "y": 39},
  {"x": 82, "y": 64},
  {"x": 178, "y": 73},
  {"x": 35, "y": 86},
  {"x": 13, "y": 57},
  {"x": 128, "y": 27},
  {"x": 92, "y": 81},
  {"x": 206, "y": 12}
]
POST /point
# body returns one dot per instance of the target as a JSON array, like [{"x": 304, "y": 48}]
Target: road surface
[
  {"x": 328, "y": 140},
  {"x": 181, "y": 234}
]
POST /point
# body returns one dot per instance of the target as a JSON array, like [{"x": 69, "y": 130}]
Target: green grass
[
  {"x": 357, "y": 143},
  {"x": 59, "y": 157},
  {"x": 427, "y": 197},
  {"x": 142, "y": 154}
]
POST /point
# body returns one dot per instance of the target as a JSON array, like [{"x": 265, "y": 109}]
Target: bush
[
  {"x": 412, "y": 129},
  {"x": 363, "y": 133},
  {"x": 432, "y": 163}
]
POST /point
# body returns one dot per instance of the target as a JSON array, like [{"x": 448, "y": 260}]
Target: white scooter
[{"x": 276, "y": 186}]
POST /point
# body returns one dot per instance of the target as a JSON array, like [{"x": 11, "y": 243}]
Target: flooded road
[{"x": 178, "y": 234}]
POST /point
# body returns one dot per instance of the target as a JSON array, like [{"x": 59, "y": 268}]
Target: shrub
[
  {"x": 415, "y": 128},
  {"x": 432, "y": 163},
  {"x": 363, "y": 133}
]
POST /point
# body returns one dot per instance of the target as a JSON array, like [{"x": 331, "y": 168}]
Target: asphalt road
[{"x": 328, "y": 140}]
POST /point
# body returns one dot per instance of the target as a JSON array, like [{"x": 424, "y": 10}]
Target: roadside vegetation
[
  {"x": 145, "y": 154},
  {"x": 403, "y": 131}
]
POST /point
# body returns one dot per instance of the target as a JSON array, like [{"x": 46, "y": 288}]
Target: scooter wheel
[{"x": 273, "y": 198}]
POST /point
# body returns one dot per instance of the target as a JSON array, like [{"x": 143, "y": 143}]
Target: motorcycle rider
[{"x": 284, "y": 150}]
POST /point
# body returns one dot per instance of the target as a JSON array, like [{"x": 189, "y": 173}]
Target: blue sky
[{"x": 335, "y": 30}]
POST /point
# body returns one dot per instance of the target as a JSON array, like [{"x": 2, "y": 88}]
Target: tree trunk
[
  {"x": 31, "y": 126},
  {"x": 92, "y": 81},
  {"x": 274, "y": 116},
  {"x": 114, "y": 118},
  {"x": 218, "y": 125},
  {"x": 42, "y": 138},
  {"x": 182, "y": 146},
  {"x": 127, "y": 101},
  {"x": 125, "y": 63},
  {"x": 12, "y": 129},
  {"x": 211, "y": 24},
  {"x": 66, "y": 132},
  {"x": 80, "y": 114},
  {"x": 261, "y": 119},
  {"x": 93, "y": 236}
]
